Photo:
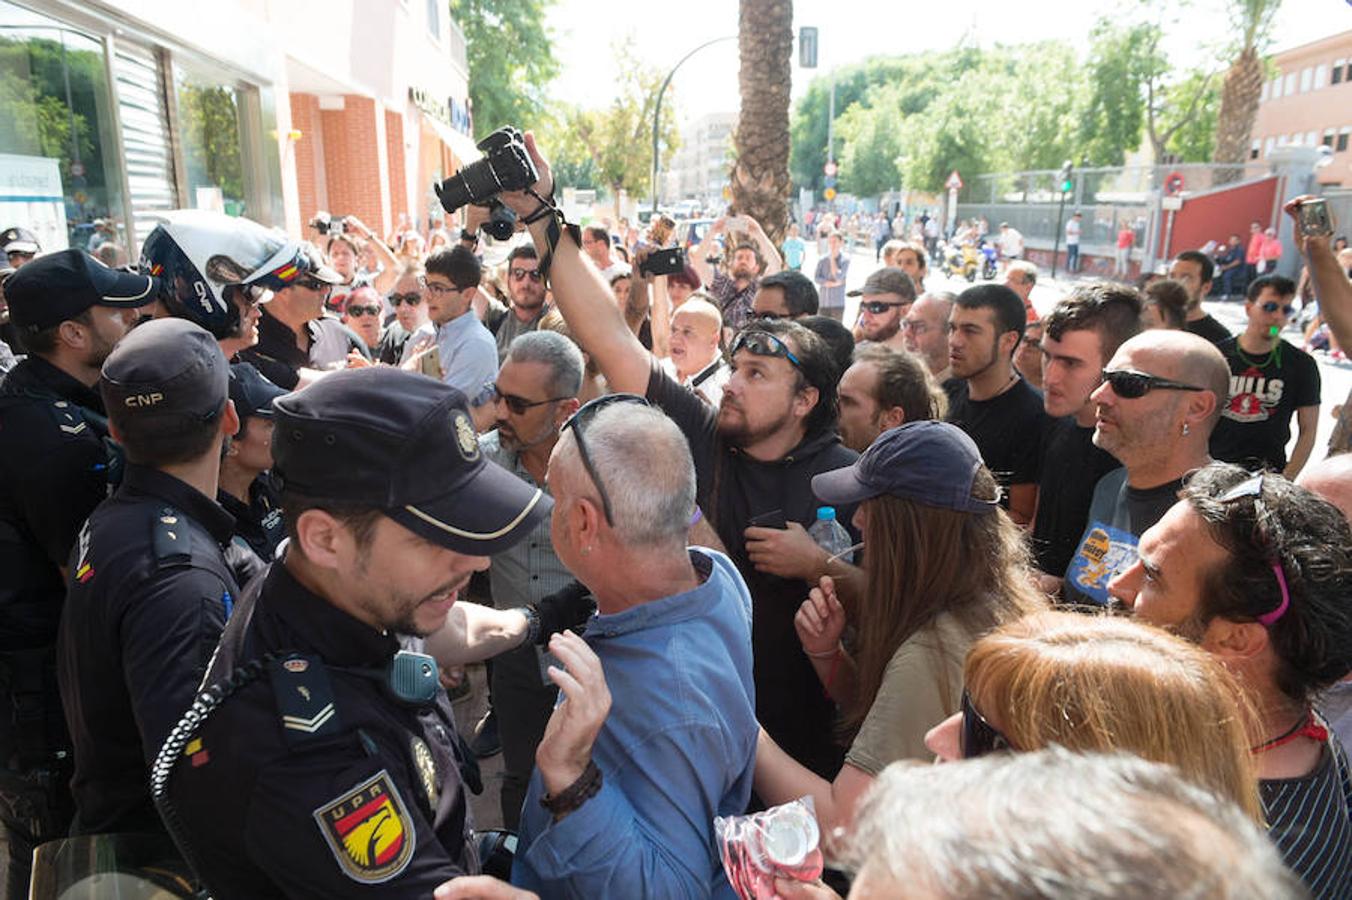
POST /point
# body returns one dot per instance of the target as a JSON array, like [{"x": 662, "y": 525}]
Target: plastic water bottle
[{"x": 830, "y": 535}]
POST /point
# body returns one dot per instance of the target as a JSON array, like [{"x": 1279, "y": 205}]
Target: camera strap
[{"x": 554, "y": 230}]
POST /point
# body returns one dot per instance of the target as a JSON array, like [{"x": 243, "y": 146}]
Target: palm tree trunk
[
  {"x": 760, "y": 176},
  {"x": 1239, "y": 109}
]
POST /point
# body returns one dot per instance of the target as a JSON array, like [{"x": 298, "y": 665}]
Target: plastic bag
[{"x": 781, "y": 842}]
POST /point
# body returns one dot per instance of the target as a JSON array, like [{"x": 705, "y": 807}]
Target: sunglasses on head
[
  {"x": 412, "y": 299},
  {"x": 1129, "y": 384},
  {"x": 578, "y": 422},
  {"x": 979, "y": 737},
  {"x": 1253, "y": 487},
  {"x": 1272, "y": 306},
  {"x": 359, "y": 310},
  {"x": 519, "y": 405},
  {"x": 878, "y": 307},
  {"x": 763, "y": 343},
  {"x": 519, "y": 273}
]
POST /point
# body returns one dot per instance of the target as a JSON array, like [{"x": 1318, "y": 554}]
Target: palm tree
[
  {"x": 760, "y": 175},
  {"x": 1243, "y": 84}
]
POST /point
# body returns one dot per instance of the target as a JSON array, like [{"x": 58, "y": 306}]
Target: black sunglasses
[
  {"x": 412, "y": 299},
  {"x": 763, "y": 343},
  {"x": 519, "y": 273},
  {"x": 578, "y": 421},
  {"x": 878, "y": 307},
  {"x": 519, "y": 405},
  {"x": 1130, "y": 385},
  {"x": 363, "y": 310},
  {"x": 1272, "y": 306},
  {"x": 978, "y": 736},
  {"x": 315, "y": 285}
]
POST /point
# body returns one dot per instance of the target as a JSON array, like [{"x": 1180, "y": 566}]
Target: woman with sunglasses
[
  {"x": 411, "y": 325},
  {"x": 1097, "y": 684},
  {"x": 944, "y": 564}
]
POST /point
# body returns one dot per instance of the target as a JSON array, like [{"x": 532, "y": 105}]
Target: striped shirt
[{"x": 1310, "y": 820}]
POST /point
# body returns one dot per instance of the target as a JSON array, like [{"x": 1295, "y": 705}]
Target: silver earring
[{"x": 1186, "y": 429}]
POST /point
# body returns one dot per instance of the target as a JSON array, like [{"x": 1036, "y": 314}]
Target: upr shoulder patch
[{"x": 369, "y": 830}]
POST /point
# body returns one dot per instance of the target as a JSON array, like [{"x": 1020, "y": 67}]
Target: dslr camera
[
  {"x": 667, "y": 261},
  {"x": 505, "y": 166},
  {"x": 327, "y": 224}
]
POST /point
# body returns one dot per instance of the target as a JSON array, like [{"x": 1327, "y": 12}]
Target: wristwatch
[{"x": 532, "y": 624}]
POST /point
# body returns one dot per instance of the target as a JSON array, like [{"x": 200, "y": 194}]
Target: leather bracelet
[{"x": 588, "y": 785}]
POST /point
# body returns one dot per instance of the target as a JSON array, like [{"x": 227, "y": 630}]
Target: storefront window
[
  {"x": 58, "y": 157},
  {"x": 209, "y": 131}
]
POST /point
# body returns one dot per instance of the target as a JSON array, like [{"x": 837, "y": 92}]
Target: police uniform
[
  {"x": 259, "y": 526},
  {"x": 148, "y": 586},
  {"x": 349, "y": 783},
  {"x": 56, "y": 465}
]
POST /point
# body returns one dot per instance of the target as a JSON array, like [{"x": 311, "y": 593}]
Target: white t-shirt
[
  {"x": 1011, "y": 243},
  {"x": 1073, "y": 231}
]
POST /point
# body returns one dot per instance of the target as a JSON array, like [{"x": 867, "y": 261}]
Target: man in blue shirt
[
  {"x": 468, "y": 351},
  {"x": 656, "y": 734}
]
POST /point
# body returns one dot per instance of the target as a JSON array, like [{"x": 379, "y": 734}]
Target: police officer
[
  {"x": 148, "y": 586},
  {"x": 247, "y": 490},
  {"x": 54, "y": 469},
  {"x": 347, "y": 784}
]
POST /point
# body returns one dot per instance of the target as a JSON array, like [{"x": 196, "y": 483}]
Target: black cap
[
  {"x": 19, "y": 240},
  {"x": 253, "y": 394},
  {"x": 933, "y": 463},
  {"x": 165, "y": 367},
  {"x": 61, "y": 285},
  {"x": 404, "y": 444}
]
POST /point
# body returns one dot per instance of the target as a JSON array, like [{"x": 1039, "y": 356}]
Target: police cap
[
  {"x": 404, "y": 444},
  {"x": 165, "y": 367},
  {"x": 61, "y": 285},
  {"x": 253, "y": 394}
]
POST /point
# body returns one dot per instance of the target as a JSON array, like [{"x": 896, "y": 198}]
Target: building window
[
  {"x": 434, "y": 18},
  {"x": 1310, "y": 139},
  {"x": 1306, "y": 79},
  {"x": 1267, "y": 89},
  {"x": 1342, "y": 140},
  {"x": 1321, "y": 75},
  {"x": 1338, "y": 70},
  {"x": 208, "y": 132},
  {"x": 1277, "y": 88},
  {"x": 1289, "y": 84},
  {"x": 59, "y": 164},
  {"x": 1328, "y": 138},
  {"x": 1255, "y": 148}
]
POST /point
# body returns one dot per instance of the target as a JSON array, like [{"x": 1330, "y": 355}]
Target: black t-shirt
[
  {"x": 1071, "y": 467},
  {"x": 280, "y": 360},
  {"x": 1007, "y": 430},
  {"x": 1265, "y": 391},
  {"x": 1209, "y": 328},
  {"x": 1118, "y": 515},
  {"x": 733, "y": 487}
]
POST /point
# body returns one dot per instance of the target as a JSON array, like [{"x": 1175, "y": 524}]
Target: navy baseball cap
[
  {"x": 933, "y": 463},
  {"x": 61, "y": 285},
  {"x": 165, "y": 367},
  {"x": 253, "y": 394},
  {"x": 404, "y": 444},
  {"x": 19, "y": 240}
]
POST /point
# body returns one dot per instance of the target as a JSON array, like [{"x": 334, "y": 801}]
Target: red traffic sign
[
  {"x": 954, "y": 183},
  {"x": 1174, "y": 183},
  {"x": 830, "y": 169}
]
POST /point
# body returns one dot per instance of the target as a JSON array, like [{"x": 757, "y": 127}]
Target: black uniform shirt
[
  {"x": 149, "y": 592},
  {"x": 53, "y": 472},
  {"x": 312, "y": 781},
  {"x": 259, "y": 524},
  {"x": 280, "y": 360}
]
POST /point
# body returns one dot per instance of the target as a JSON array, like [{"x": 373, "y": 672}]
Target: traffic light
[{"x": 1067, "y": 182}]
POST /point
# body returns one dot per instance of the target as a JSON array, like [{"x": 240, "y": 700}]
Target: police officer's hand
[
  {"x": 565, "y": 750},
  {"x": 480, "y": 887},
  {"x": 568, "y": 607}
]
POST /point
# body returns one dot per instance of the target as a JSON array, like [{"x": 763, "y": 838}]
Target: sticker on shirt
[
  {"x": 369, "y": 830},
  {"x": 1103, "y": 553},
  {"x": 1253, "y": 398}
]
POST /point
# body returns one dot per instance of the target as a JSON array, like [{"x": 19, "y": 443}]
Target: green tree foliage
[
  {"x": 210, "y": 135},
  {"x": 1114, "y": 116},
  {"x": 511, "y": 60},
  {"x": 1195, "y": 140}
]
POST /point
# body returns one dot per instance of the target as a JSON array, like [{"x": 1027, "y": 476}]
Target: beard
[
  {"x": 734, "y": 428},
  {"x": 882, "y": 332},
  {"x": 402, "y": 616}
]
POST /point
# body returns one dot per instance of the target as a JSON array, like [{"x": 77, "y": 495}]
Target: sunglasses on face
[
  {"x": 1130, "y": 385},
  {"x": 518, "y": 274},
  {"x": 311, "y": 284},
  {"x": 412, "y": 299},
  {"x": 578, "y": 422},
  {"x": 1286, "y": 308},
  {"x": 979, "y": 737},
  {"x": 357, "y": 311},
  {"x": 1253, "y": 488},
  {"x": 520, "y": 405},
  {"x": 762, "y": 343},
  {"x": 878, "y": 307},
  {"x": 439, "y": 290}
]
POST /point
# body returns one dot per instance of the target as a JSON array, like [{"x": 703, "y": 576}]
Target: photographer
[
  {"x": 344, "y": 255},
  {"x": 748, "y": 263}
]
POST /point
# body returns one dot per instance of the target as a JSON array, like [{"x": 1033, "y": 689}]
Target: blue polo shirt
[
  {"x": 469, "y": 356},
  {"x": 678, "y": 749}
]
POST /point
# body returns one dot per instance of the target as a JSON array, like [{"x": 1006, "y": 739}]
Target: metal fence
[{"x": 1103, "y": 185}]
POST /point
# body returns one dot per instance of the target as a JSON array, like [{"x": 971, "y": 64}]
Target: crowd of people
[{"x": 262, "y": 500}]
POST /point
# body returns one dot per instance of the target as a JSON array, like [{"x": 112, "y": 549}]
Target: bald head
[
  {"x": 701, "y": 311},
  {"x": 1183, "y": 356},
  {"x": 1331, "y": 479}
]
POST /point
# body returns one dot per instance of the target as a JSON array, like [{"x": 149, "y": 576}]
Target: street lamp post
[{"x": 657, "y": 110}]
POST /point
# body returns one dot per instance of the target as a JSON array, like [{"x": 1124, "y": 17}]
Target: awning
[{"x": 461, "y": 145}]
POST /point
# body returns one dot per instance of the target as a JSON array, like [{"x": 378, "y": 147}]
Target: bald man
[
  {"x": 925, "y": 332},
  {"x": 1331, "y": 479},
  {"x": 1162, "y": 394},
  {"x": 695, "y": 358}
]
